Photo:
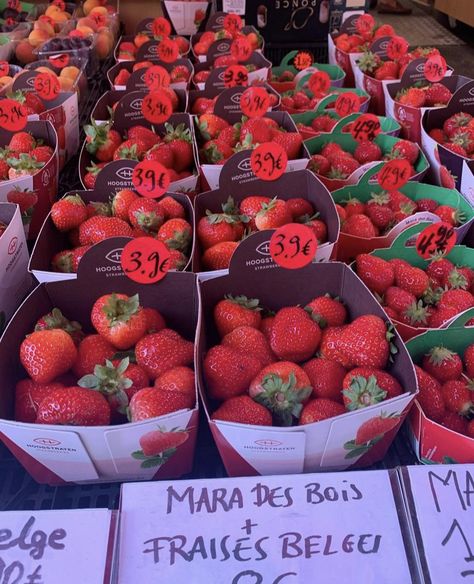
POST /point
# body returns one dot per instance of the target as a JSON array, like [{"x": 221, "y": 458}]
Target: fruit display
[
  {"x": 119, "y": 75},
  {"x": 201, "y": 43},
  {"x": 128, "y": 47}
]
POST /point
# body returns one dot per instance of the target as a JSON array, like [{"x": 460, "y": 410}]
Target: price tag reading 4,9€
[
  {"x": 13, "y": 116},
  {"x": 347, "y": 104},
  {"x": 366, "y": 128},
  {"x": 268, "y": 161},
  {"x": 437, "y": 238},
  {"x": 236, "y": 75},
  {"x": 254, "y": 102},
  {"x": 157, "y": 107},
  {"x": 293, "y": 246},
  {"x": 151, "y": 179},
  {"x": 47, "y": 86},
  {"x": 435, "y": 68},
  {"x": 145, "y": 260},
  {"x": 394, "y": 174}
]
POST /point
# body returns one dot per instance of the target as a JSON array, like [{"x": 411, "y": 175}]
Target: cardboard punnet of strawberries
[{"x": 198, "y": 259}]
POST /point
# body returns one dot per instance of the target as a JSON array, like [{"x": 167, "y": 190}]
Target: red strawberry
[
  {"x": 413, "y": 96},
  {"x": 370, "y": 432},
  {"x": 250, "y": 206},
  {"x": 359, "y": 226},
  {"x": 456, "y": 148},
  {"x": 74, "y": 406},
  {"x": 122, "y": 77},
  {"x": 326, "y": 378},
  {"x": 448, "y": 181},
  {"x": 102, "y": 141},
  {"x": 91, "y": 174},
  {"x": 236, "y": 311},
  {"x": 457, "y": 397},
  {"x": 342, "y": 166},
  {"x": 366, "y": 342},
  {"x": 450, "y": 215},
  {"x": 470, "y": 429},
  {"x": 459, "y": 299},
  {"x": 442, "y": 364},
  {"x": 216, "y": 152},
  {"x": 166, "y": 349},
  {"x": 98, "y": 228},
  {"x": 176, "y": 234},
  {"x": 161, "y": 153},
  {"x": 381, "y": 215},
  {"x": 406, "y": 149},
  {"x": 398, "y": 299},
  {"x": 442, "y": 315},
  {"x": 22, "y": 143},
  {"x": 376, "y": 273},
  {"x": 291, "y": 142},
  {"x": 327, "y": 311},
  {"x": 430, "y": 397},
  {"x": 295, "y": 335},
  {"x": 319, "y": 164},
  {"x": 93, "y": 350},
  {"x": 299, "y": 207},
  {"x": 354, "y": 207},
  {"x": 121, "y": 203},
  {"x": 68, "y": 213},
  {"x": 412, "y": 279},
  {"x": 146, "y": 214},
  {"x": 180, "y": 141},
  {"x": 243, "y": 410},
  {"x": 56, "y": 320},
  {"x": 365, "y": 386},
  {"x": 151, "y": 403},
  {"x": 211, "y": 125},
  {"x": 145, "y": 135},
  {"x": 172, "y": 208},
  {"x": 254, "y": 131},
  {"x": 320, "y": 409},
  {"x": 367, "y": 152},
  {"x": 456, "y": 121},
  {"x": 455, "y": 423},
  {"x": 439, "y": 269},
  {"x": 28, "y": 396},
  {"x": 387, "y": 70},
  {"x": 229, "y": 136},
  {"x": 469, "y": 360},
  {"x": 47, "y": 354},
  {"x": 251, "y": 340},
  {"x": 218, "y": 256},
  {"x": 158, "y": 442},
  {"x": 426, "y": 205},
  {"x": 42, "y": 153},
  {"x": 130, "y": 150},
  {"x": 179, "y": 379}
]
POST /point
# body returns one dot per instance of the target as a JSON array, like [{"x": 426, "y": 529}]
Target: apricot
[
  {"x": 37, "y": 36},
  {"x": 85, "y": 30},
  {"x": 24, "y": 52},
  {"x": 44, "y": 26},
  {"x": 104, "y": 44},
  {"x": 60, "y": 17},
  {"x": 71, "y": 72},
  {"x": 66, "y": 83},
  {"x": 52, "y": 9},
  {"x": 140, "y": 39},
  {"x": 5, "y": 80},
  {"x": 88, "y": 22},
  {"x": 42, "y": 69},
  {"x": 89, "y": 5},
  {"x": 99, "y": 10}
]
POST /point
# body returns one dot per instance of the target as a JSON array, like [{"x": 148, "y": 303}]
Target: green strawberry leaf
[
  {"x": 152, "y": 462},
  {"x": 138, "y": 455}
]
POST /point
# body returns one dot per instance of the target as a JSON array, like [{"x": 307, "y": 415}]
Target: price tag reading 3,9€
[
  {"x": 269, "y": 161},
  {"x": 47, "y": 86},
  {"x": 254, "y": 102},
  {"x": 397, "y": 47},
  {"x": 157, "y": 107},
  {"x": 435, "y": 68},
  {"x": 241, "y": 49},
  {"x": 293, "y": 246},
  {"x": 145, "y": 260},
  {"x": 437, "y": 238},
  {"x": 151, "y": 179},
  {"x": 233, "y": 23},
  {"x": 236, "y": 75},
  {"x": 156, "y": 77},
  {"x": 168, "y": 50},
  {"x": 13, "y": 116}
]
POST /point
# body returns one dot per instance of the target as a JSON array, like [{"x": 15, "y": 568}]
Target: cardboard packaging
[
  {"x": 328, "y": 102},
  {"x": 349, "y": 246},
  {"x": 78, "y": 454},
  {"x": 128, "y": 113},
  {"x": 136, "y": 82},
  {"x": 386, "y": 143},
  {"x": 433, "y": 443},
  {"x": 257, "y": 62},
  {"x": 187, "y": 18},
  {"x": 79, "y": 85},
  {"x": 50, "y": 241},
  {"x": 44, "y": 182},
  {"x": 408, "y": 116},
  {"x": 300, "y": 183},
  {"x": 346, "y": 61},
  {"x": 253, "y": 450}
]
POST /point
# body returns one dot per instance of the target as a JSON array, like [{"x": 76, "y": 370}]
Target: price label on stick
[
  {"x": 293, "y": 246},
  {"x": 365, "y": 24},
  {"x": 157, "y": 107},
  {"x": 319, "y": 83},
  {"x": 13, "y": 116},
  {"x": 161, "y": 27},
  {"x": 241, "y": 49},
  {"x": 59, "y": 61},
  {"x": 303, "y": 60},
  {"x": 145, "y": 260},
  {"x": 168, "y": 50},
  {"x": 4, "y": 68},
  {"x": 435, "y": 68},
  {"x": 47, "y": 86},
  {"x": 254, "y": 102},
  {"x": 151, "y": 179},
  {"x": 437, "y": 238},
  {"x": 397, "y": 47},
  {"x": 156, "y": 77},
  {"x": 394, "y": 174},
  {"x": 366, "y": 128},
  {"x": 269, "y": 161},
  {"x": 233, "y": 23},
  {"x": 347, "y": 104},
  {"x": 236, "y": 75}
]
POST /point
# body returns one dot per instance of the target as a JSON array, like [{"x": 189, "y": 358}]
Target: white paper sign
[
  {"x": 54, "y": 547},
  {"x": 263, "y": 530},
  {"x": 442, "y": 498}
]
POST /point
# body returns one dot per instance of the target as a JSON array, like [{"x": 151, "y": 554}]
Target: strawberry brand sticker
[
  {"x": 319, "y": 83},
  {"x": 394, "y": 174},
  {"x": 4, "y": 68},
  {"x": 254, "y": 102},
  {"x": 366, "y": 128},
  {"x": 303, "y": 60},
  {"x": 150, "y": 178},
  {"x": 397, "y": 47},
  {"x": 47, "y": 86},
  {"x": 435, "y": 68},
  {"x": 59, "y": 61},
  {"x": 236, "y": 75},
  {"x": 233, "y": 23},
  {"x": 435, "y": 239},
  {"x": 13, "y": 116},
  {"x": 168, "y": 50},
  {"x": 347, "y": 104},
  {"x": 156, "y": 77},
  {"x": 293, "y": 246},
  {"x": 157, "y": 107},
  {"x": 161, "y": 27},
  {"x": 241, "y": 49},
  {"x": 268, "y": 161},
  {"x": 145, "y": 260}
]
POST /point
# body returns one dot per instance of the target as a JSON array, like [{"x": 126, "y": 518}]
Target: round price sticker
[
  {"x": 347, "y": 104},
  {"x": 233, "y": 23},
  {"x": 293, "y": 246},
  {"x": 365, "y": 24},
  {"x": 168, "y": 50},
  {"x": 59, "y": 61},
  {"x": 303, "y": 60},
  {"x": 157, "y": 107},
  {"x": 13, "y": 116},
  {"x": 4, "y": 68},
  {"x": 236, "y": 75},
  {"x": 268, "y": 161},
  {"x": 435, "y": 239},
  {"x": 151, "y": 179},
  {"x": 241, "y": 49},
  {"x": 394, "y": 174},
  {"x": 397, "y": 47},
  {"x": 254, "y": 102},
  {"x": 366, "y": 128},
  {"x": 60, "y": 4},
  {"x": 435, "y": 68},
  {"x": 319, "y": 83},
  {"x": 156, "y": 77},
  {"x": 161, "y": 27},
  {"x": 47, "y": 86},
  {"x": 145, "y": 260}
]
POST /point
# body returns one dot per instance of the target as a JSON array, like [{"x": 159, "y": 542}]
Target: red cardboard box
[{"x": 66, "y": 454}]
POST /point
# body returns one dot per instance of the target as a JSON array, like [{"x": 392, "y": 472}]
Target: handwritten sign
[
  {"x": 263, "y": 530},
  {"x": 293, "y": 246},
  {"x": 233, "y": 23},
  {"x": 254, "y": 102},
  {"x": 347, "y": 104},
  {"x": 303, "y": 60},
  {"x": 168, "y": 50},
  {"x": 319, "y": 83},
  {"x": 156, "y": 77},
  {"x": 241, "y": 49},
  {"x": 394, "y": 174},
  {"x": 269, "y": 161},
  {"x": 161, "y": 27},
  {"x": 397, "y": 47},
  {"x": 145, "y": 260},
  {"x": 13, "y": 116},
  {"x": 437, "y": 238},
  {"x": 366, "y": 128},
  {"x": 42, "y": 546},
  {"x": 47, "y": 86},
  {"x": 236, "y": 75},
  {"x": 151, "y": 179},
  {"x": 157, "y": 107},
  {"x": 435, "y": 68},
  {"x": 441, "y": 502}
]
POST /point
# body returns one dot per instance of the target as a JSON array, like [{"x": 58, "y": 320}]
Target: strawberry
[
  {"x": 166, "y": 349},
  {"x": 92, "y": 350},
  {"x": 30, "y": 101},
  {"x": 387, "y": 70},
  {"x": 332, "y": 346},
  {"x": 365, "y": 386},
  {"x": 367, "y": 152},
  {"x": 295, "y": 335},
  {"x": 430, "y": 397},
  {"x": 216, "y": 152},
  {"x": 42, "y": 153},
  {"x": 180, "y": 73},
  {"x": 172, "y": 208},
  {"x": 456, "y": 148},
  {"x": 456, "y": 121},
  {"x": 282, "y": 388},
  {"x": 326, "y": 378},
  {"x": 157, "y": 443},
  {"x": 176, "y": 234},
  {"x": 22, "y": 143},
  {"x": 439, "y": 269},
  {"x": 318, "y": 226},
  {"x": 448, "y": 181},
  {"x": 229, "y": 136},
  {"x": 273, "y": 215},
  {"x": 291, "y": 143},
  {"x": 369, "y": 433},
  {"x": 459, "y": 277},
  {"x": 406, "y": 149},
  {"x": 254, "y": 131},
  {"x": 179, "y": 379},
  {"x": 161, "y": 153},
  {"x": 56, "y": 320},
  {"x": 218, "y": 256},
  {"x": 133, "y": 149},
  {"x": 413, "y": 96},
  {"x": 438, "y": 135},
  {"x": 180, "y": 142},
  {"x": 202, "y": 105},
  {"x": 119, "y": 319},
  {"x": 319, "y": 164},
  {"x": 122, "y": 77},
  {"x": 450, "y": 215},
  {"x": 327, "y": 311},
  {"x": 323, "y": 123},
  {"x": 469, "y": 360},
  {"x": 236, "y": 311},
  {"x": 320, "y": 409},
  {"x": 366, "y": 342},
  {"x": 24, "y": 165},
  {"x": 95, "y": 208},
  {"x": 98, "y": 228},
  {"x": 461, "y": 300},
  {"x": 376, "y": 273},
  {"x": 398, "y": 299},
  {"x": 91, "y": 174},
  {"x": 68, "y": 213},
  {"x": 441, "y": 315},
  {"x": 455, "y": 423},
  {"x": 250, "y": 206},
  {"x": 28, "y": 396},
  {"x": 102, "y": 141},
  {"x": 210, "y": 126},
  {"x": 145, "y": 214},
  {"x": 219, "y": 227},
  {"x": 145, "y": 135},
  {"x": 154, "y": 320},
  {"x": 151, "y": 403},
  {"x": 354, "y": 207},
  {"x": 470, "y": 429},
  {"x": 342, "y": 166},
  {"x": 426, "y": 205},
  {"x": 299, "y": 207},
  {"x": 442, "y": 364},
  {"x": 47, "y": 354},
  {"x": 74, "y": 406},
  {"x": 412, "y": 279},
  {"x": 243, "y": 410},
  {"x": 381, "y": 215},
  {"x": 457, "y": 397},
  {"x": 251, "y": 340},
  {"x": 360, "y": 226},
  {"x": 121, "y": 202}
]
